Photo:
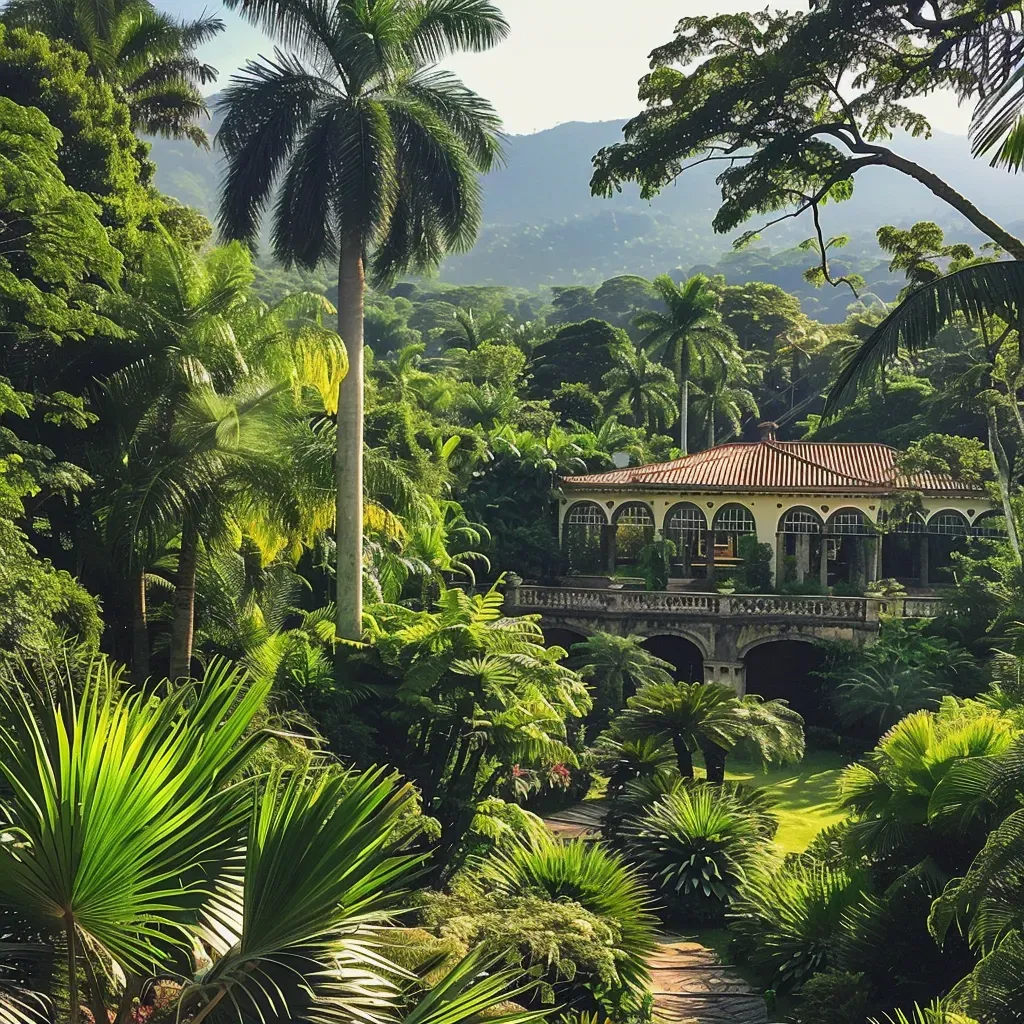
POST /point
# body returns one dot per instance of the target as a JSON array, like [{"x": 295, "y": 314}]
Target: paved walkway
[{"x": 689, "y": 982}]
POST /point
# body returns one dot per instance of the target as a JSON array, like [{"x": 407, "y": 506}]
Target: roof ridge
[{"x": 818, "y": 465}]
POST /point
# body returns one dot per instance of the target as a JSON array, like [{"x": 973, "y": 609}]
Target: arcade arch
[
  {"x": 585, "y": 537},
  {"x": 783, "y": 668}
]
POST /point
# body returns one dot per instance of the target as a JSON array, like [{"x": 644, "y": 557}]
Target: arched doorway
[
  {"x": 683, "y": 655},
  {"x": 850, "y": 543},
  {"x": 901, "y": 548},
  {"x": 784, "y": 669},
  {"x": 947, "y": 532},
  {"x": 633, "y": 525},
  {"x": 584, "y": 537},
  {"x": 732, "y": 521},
  {"x": 685, "y": 526},
  {"x": 800, "y": 541}
]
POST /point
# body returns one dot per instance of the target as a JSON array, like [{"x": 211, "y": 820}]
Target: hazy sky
[{"x": 565, "y": 60}]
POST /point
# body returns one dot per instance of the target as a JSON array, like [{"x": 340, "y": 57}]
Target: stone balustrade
[{"x": 587, "y": 601}]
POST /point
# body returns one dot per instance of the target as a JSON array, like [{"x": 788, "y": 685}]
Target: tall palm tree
[
  {"x": 643, "y": 386},
  {"x": 724, "y": 396},
  {"x": 144, "y": 54},
  {"x": 688, "y": 337},
  {"x": 711, "y": 717},
  {"x": 989, "y": 295},
  {"x": 373, "y": 154}
]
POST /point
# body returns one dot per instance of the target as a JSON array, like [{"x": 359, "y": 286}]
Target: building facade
[{"x": 832, "y": 514}]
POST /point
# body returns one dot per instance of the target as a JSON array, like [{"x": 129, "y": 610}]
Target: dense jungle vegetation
[{"x": 270, "y": 748}]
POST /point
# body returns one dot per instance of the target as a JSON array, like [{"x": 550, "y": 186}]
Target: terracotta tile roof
[{"x": 777, "y": 466}]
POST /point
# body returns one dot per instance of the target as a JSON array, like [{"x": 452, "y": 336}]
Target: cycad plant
[
  {"x": 696, "y": 844},
  {"x": 600, "y": 882},
  {"x": 710, "y": 717},
  {"x": 369, "y": 153},
  {"x": 881, "y": 695},
  {"x": 138, "y": 850},
  {"x": 789, "y": 919},
  {"x": 912, "y": 797}
]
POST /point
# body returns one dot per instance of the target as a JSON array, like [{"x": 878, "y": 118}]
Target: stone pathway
[{"x": 689, "y": 983}]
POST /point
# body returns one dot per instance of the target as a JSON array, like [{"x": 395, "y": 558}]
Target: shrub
[
  {"x": 788, "y": 920},
  {"x": 832, "y": 997},
  {"x": 696, "y": 843},
  {"x": 755, "y": 576},
  {"x": 599, "y": 881},
  {"x": 655, "y": 563},
  {"x": 810, "y": 586},
  {"x": 562, "y": 944},
  {"x": 820, "y": 738}
]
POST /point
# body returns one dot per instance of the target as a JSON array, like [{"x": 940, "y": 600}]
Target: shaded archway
[
  {"x": 902, "y": 542},
  {"x": 947, "y": 532},
  {"x": 850, "y": 547},
  {"x": 556, "y": 636},
  {"x": 684, "y": 656},
  {"x": 633, "y": 529},
  {"x": 731, "y": 522},
  {"x": 784, "y": 669},
  {"x": 584, "y": 537},
  {"x": 989, "y": 524},
  {"x": 685, "y": 526},
  {"x": 799, "y": 549}
]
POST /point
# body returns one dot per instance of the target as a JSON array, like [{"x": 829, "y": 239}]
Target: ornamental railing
[{"x": 584, "y": 600}]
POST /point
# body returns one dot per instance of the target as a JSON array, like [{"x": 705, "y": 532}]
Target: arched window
[
  {"x": 583, "y": 536},
  {"x": 948, "y": 523},
  {"x": 913, "y": 523},
  {"x": 634, "y": 530},
  {"x": 800, "y": 520},
  {"x": 847, "y": 522},
  {"x": 735, "y": 519},
  {"x": 585, "y": 513},
  {"x": 989, "y": 524},
  {"x": 683, "y": 522}
]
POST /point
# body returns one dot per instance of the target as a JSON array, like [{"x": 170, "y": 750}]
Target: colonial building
[{"x": 822, "y": 507}]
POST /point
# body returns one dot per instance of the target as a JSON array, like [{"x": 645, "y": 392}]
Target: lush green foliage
[{"x": 697, "y": 843}]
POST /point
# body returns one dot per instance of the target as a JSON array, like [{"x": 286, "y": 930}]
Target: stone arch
[
  {"x": 948, "y": 522},
  {"x": 563, "y": 636},
  {"x": 685, "y": 651},
  {"x": 585, "y": 537},
  {"x": 801, "y": 519},
  {"x": 733, "y": 517},
  {"x": 986, "y": 524},
  {"x": 783, "y": 667},
  {"x": 685, "y": 525},
  {"x": 848, "y": 521},
  {"x": 902, "y": 542},
  {"x": 633, "y": 528},
  {"x": 850, "y": 541},
  {"x": 947, "y": 531}
]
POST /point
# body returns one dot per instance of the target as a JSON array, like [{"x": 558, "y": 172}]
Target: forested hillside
[{"x": 542, "y": 227}]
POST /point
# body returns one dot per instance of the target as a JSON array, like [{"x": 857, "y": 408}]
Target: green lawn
[{"x": 805, "y": 793}]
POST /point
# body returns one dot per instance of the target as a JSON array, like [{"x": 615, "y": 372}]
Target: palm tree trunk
[
  {"x": 714, "y": 762},
  {"x": 1002, "y": 464},
  {"x": 184, "y": 604},
  {"x": 711, "y": 428},
  {"x": 684, "y": 415},
  {"x": 684, "y": 758},
  {"x": 140, "y": 631},
  {"x": 349, "y": 456}
]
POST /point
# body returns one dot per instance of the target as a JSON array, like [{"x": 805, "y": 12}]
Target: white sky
[{"x": 565, "y": 60}]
